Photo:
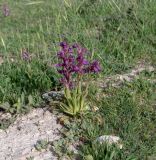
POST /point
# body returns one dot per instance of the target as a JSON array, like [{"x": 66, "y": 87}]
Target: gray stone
[{"x": 109, "y": 139}]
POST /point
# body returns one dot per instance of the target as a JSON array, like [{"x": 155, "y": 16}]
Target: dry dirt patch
[{"x": 18, "y": 141}]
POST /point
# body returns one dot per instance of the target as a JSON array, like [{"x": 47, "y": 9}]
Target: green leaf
[
  {"x": 30, "y": 100},
  {"x": 5, "y": 106},
  {"x": 88, "y": 157}
]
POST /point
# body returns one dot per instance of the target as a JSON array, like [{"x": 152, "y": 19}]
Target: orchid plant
[
  {"x": 5, "y": 10},
  {"x": 73, "y": 67}
]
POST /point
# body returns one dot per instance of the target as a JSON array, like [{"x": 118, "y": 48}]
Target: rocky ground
[{"x": 19, "y": 140}]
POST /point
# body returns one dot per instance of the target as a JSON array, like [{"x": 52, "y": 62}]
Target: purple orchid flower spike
[
  {"x": 73, "y": 61},
  {"x": 5, "y": 10}
]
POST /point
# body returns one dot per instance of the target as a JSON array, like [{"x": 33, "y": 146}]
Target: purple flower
[
  {"x": 5, "y": 10},
  {"x": 73, "y": 61},
  {"x": 76, "y": 69},
  {"x": 95, "y": 66},
  {"x": 60, "y": 54},
  {"x": 70, "y": 50},
  {"x": 64, "y": 45},
  {"x": 25, "y": 55},
  {"x": 75, "y": 45},
  {"x": 85, "y": 62}
]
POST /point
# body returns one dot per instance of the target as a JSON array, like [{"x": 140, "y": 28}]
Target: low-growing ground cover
[
  {"x": 117, "y": 33},
  {"x": 128, "y": 112}
]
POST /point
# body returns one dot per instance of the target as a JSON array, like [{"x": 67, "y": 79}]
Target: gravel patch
[{"x": 119, "y": 79}]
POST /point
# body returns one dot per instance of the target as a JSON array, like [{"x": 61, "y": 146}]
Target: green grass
[
  {"x": 21, "y": 79},
  {"x": 130, "y": 114},
  {"x": 118, "y": 33}
]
